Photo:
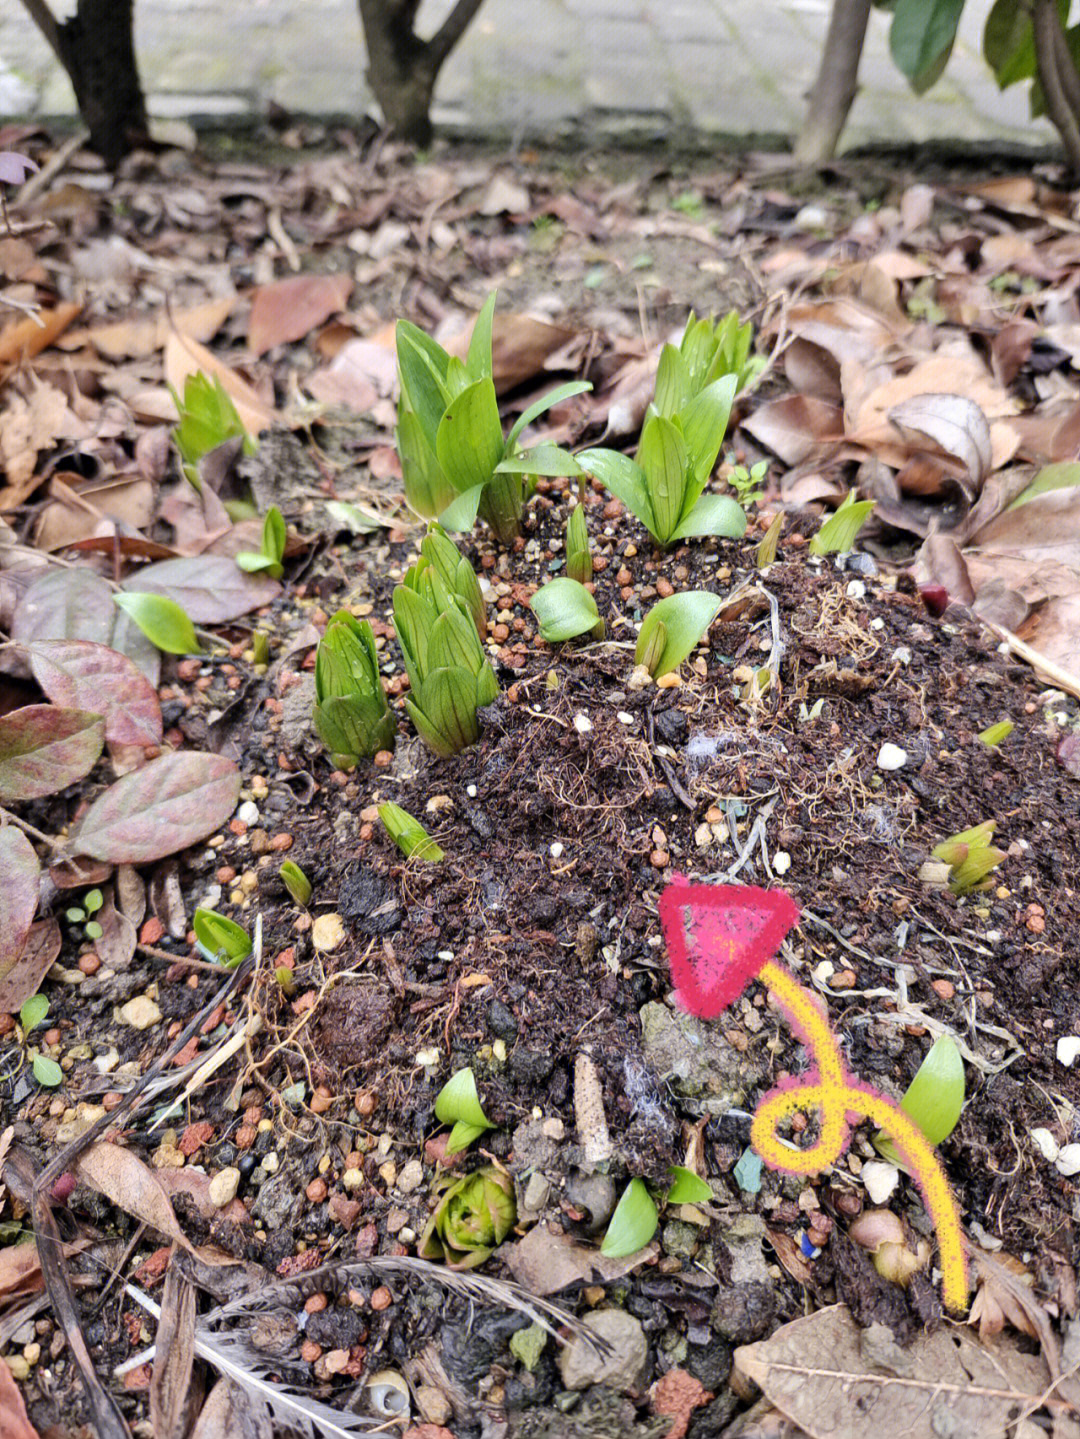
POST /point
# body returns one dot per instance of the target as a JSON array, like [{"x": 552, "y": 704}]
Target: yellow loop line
[{"x": 835, "y": 1094}]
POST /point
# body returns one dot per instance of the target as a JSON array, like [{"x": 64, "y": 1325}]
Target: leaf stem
[{"x": 25, "y": 825}]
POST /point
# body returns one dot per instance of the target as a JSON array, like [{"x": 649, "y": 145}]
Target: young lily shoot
[
  {"x": 409, "y": 834},
  {"x": 672, "y": 628},
  {"x": 565, "y": 609},
  {"x": 351, "y": 715},
  {"x": 456, "y": 461},
  {"x": 459, "y": 1104}
]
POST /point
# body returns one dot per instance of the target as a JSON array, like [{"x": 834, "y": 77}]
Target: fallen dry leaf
[
  {"x": 14, "y": 1423},
  {"x": 185, "y": 356},
  {"x": 545, "y": 1263},
  {"x": 289, "y": 310},
  {"x": 818, "y": 1372}
]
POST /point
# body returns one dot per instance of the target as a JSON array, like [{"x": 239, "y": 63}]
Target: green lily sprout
[
  {"x": 455, "y": 460},
  {"x": 351, "y": 715},
  {"x": 449, "y": 676},
  {"x": 675, "y": 457},
  {"x": 208, "y": 418},
  {"x": 439, "y": 553},
  {"x": 672, "y": 628},
  {"x": 579, "y": 562},
  {"x": 708, "y": 351},
  {"x": 473, "y": 1216},
  {"x": 970, "y": 857}
]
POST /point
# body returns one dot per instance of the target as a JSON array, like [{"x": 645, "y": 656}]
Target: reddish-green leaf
[
  {"x": 210, "y": 589},
  {"x": 170, "y": 803},
  {"x": 18, "y": 895},
  {"x": 37, "y": 956},
  {"x": 83, "y": 675},
  {"x": 44, "y": 749},
  {"x": 78, "y": 605}
]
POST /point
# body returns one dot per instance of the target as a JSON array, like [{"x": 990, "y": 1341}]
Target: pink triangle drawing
[{"x": 718, "y": 937}]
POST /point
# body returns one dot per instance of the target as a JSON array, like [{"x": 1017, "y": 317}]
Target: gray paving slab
[{"x": 536, "y": 67}]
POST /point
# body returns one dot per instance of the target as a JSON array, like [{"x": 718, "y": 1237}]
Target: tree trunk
[
  {"x": 97, "y": 48},
  {"x": 1057, "y": 75},
  {"x": 836, "y": 83},
  {"x": 402, "y": 68}
]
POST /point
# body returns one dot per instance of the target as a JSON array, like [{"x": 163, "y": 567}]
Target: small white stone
[
  {"x": 1068, "y": 1161},
  {"x": 582, "y": 723},
  {"x": 781, "y": 862},
  {"x": 411, "y": 1176},
  {"x": 446, "y": 955},
  {"x": 470, "y": 790},
  {"x": 223, "y": 1186},
  {"x": 824, "y": 971},
  {"x": 900, "y": 656},
  {"x": 556, "y": 849},
  {"x": 1047, "y": 1144},
  {"x": 327, "y": 932},
  {"x": 703, "y": 836},
  {"x": 498, "y": 1049},
  {"x": 141, "y": 1012},
  {"x": 427, "y": 1058},
  {"x": 891, "y": 756},
  {"x": 1068, "y": 1050},
  {"x": 856, "y": 590},
  {"x": 271, "y": 1163},
  {"x": 248, "y": 813},
  {"x": 877, "y": 623},
  {"x": 352, "y": 1179},
  {"x": 624, "y": 718},
  {"x": 880, "y": 1180},
  {"x": 639, "y": 678}
]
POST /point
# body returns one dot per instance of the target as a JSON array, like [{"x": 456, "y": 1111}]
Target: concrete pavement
[{"x": 569, "y": 69}]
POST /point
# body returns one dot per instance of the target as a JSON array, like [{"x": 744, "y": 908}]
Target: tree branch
[
  {"x": 1066, "y": 68},
  {"x": 1044, "y": 22},
  {"x": 451, "y": 31},
  {"x": 46, "y": 22}
]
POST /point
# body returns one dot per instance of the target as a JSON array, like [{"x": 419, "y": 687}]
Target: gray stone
[
  {"x": 274, "y": 1204},
  {"x": 501, "y": 1021},
  {"x": 621, "y": 1367},
  {"x": 680, "y": 1239},
  {"x": 696, "y": 1059},
  {"x": 596, "y": 1194},
  {"x": 532, "y": 1147}
]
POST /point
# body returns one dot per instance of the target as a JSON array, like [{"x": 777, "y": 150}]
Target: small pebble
[
  {"x": 381, "y": 1298},
  {"x": 248, "y": 813},
  {"x": 140, "y": 1012},
  {"x": 891, "y": 756},
  {"x": 327, "y": 932},
  {"x": 1068, "y": 1050},
  {"x": 223, "y": 1187}
]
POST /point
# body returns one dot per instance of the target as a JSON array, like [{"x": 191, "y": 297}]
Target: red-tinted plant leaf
[
  {"x": 935, "y": 598},
  {"x": 78, "y": 605},
  {"x": 44, "y": 749},
  {"x": 35, "y": 959},
  {"x": 209, "y": 588},
  {"x": 79, "y": 873},
  {"x": 170, "y": 803},
  {"x": 14, "y": 167},
  {"x": 116, "y": 944},
  {"x": 20, "y": 868},
  {"x": 84, "y": 675}
]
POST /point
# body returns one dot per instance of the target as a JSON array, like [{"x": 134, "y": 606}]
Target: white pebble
[
  {"x": 856, "y": 590},
  {"x": 556, "y": 849},
  {"x": 781, "y": 862},
  {"x": 900, "y": 656},
  {"x": 1047, "y": 1144},
  {"x": 891, "y": 756},
  {"x": 1068, "y": 1161},
  {"x": 223, "y": 1187},
  {"x": 248, "y": 813},
  {"x": 470, "y": 790},
  {"x": 1068, "y": 1050},
  {"x": 880, "y": 1180},
  {"x": 582, "y": 723},
  {"x": 624, "y": 718}
]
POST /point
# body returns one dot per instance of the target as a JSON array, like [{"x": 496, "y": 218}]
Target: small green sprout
[
  {"x": 450, "y": 678},
  {"x": 92, "y": 901},
  {"x": 454, "y": 457},
  {"x": 286, "y": 980},
  {"x": 837, "y": 535},
  {"x": 271, "y": 554},
  {"x": 579, "y": 564},
  {"x": 672, "y": 628},
  {"x": 473, "y": 1217},
  {"x": 766, "y": 551},
  {"x": 637, "y": 1214},
  {"x": 459, "y": 1104},
  {"x": 933, "y": 1099},
  {"x": 409, "y": 834},
  {"x": 351, "y": 715},
  {"x": 296, "y": 882},
  {"x": 220, "y": 940},
  {"x": 708, "y": 350},
  {"x": 46, "y": 1071},
  {"x": 208, "y": 418},
  {"x": 164, "y": 623},
  {"x": 747, "y": 483},
  {"x": 970, "y": 857},
  {"x": 564, "y": 609},
  {"x": 996, "y": 733}
]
